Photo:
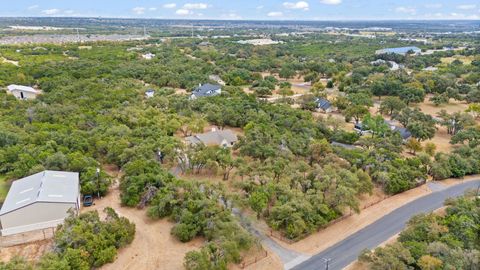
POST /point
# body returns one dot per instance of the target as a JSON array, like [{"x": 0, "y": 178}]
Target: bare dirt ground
[
  {"x": 153, "y": 247},
  {"x": 30, "y": 251},
  {"x": 453, "y": 106}
]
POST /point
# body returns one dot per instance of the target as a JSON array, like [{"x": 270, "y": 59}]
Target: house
[
  {"x": 324, "y": 105},
  {"x": 149, "y": 93},
  {"x": 206, "y": 90},
  {"x": 224, "y": 138},
  {"x": 399, "y": 50},
  {"x": 404, "y": 133},
  {"x": 360, "y": 128},
  {"x": 148, "y": 56},
  {"x": 39, "y": 201},
  {"x": 22, "y": 92}
]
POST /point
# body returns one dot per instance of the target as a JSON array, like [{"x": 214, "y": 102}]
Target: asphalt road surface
[{"x": 346, "y": 251}]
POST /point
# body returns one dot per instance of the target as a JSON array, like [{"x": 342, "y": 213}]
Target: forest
[{"x": 285, "y": 168}]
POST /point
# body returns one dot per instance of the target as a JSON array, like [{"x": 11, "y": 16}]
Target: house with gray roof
[
  {"x": 206, "y": 90},
  {"x": 39, "y": 201},
  {"x": 324, "y": 105},
  {"x": 224, "y": 138}
]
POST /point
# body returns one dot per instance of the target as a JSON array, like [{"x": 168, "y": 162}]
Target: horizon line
[{"x": 240, "y": 20}]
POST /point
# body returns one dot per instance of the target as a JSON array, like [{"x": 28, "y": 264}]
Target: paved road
[{"x": 345, "y": 252}]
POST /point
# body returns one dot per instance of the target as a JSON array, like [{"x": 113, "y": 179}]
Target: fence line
[
  {"x": 254, "y": 260},
  {"x": 27, "y": 237}
]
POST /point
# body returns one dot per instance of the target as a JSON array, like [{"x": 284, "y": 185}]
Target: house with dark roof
[
  {"x": 324, "y": 105},
  {"x": 206, "y": 90},
  {"x": 39, "y": 201},
  {"x": 224, "y": 138},
  {"x": 404, "y": 133}
]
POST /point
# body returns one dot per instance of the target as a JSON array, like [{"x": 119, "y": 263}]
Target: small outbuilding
[
  {"x": 22, "y": 92},
  {"x": 39, "y": 201},
  {"x": 149, "y": 93}
]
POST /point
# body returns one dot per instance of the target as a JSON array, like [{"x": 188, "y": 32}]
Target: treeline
[
  {"x": 434, "y": 241},
  {"x": 82, "y": 242}
]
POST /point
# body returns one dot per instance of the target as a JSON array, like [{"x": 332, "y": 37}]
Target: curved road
[{"x": 346, "y": 251}]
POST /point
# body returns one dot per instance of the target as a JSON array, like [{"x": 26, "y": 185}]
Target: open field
[
  {"x": 467, "y": 60},
  {"x": 153, "y": 247}
]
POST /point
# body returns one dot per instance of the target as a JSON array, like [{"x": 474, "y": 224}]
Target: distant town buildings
[{"x": 259, "y": 42}]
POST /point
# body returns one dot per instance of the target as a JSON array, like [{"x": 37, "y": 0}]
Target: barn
[{"x": 39, "y": 201}]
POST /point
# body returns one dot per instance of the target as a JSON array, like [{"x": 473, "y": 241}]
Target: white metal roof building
[
  {"x": 39, "y": 201},
  {"x": 23, "y": 92}
]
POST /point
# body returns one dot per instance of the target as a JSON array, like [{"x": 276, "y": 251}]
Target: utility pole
[
  {"x": 192, "y": 30},
  {"x": 144, "y": 31},
  {"x": 78, "y": 35},
  {"x": 98, "y": 182},
  {"x": 327, "y": 262}
]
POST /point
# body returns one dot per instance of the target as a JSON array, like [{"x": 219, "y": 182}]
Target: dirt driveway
[{"x": 153, "y": 246}]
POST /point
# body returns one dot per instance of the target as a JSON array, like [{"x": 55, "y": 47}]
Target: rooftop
[
  {"x": 213, "y": 137},
  {"x": 207, "y": 90},
  {"x": 46, "y": 186},
  {"x": 13, "y": 87}
]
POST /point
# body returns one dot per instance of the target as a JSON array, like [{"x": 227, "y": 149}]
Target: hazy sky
[{"x": 248, "y": 9}]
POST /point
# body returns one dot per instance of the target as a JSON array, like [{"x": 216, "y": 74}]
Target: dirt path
[{"x": 153, "y": 246}]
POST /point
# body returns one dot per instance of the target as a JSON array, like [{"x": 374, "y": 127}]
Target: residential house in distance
[
  {"x": 206, "y": 90},
  {"x": 23, "y": 92},
  {"x": 39, "y": 201},
  {"x": 149, "y": 93},
  {"x": 404, "y": 133},
  {"x": 224, "y": 138},
  {"x": 148, "y": 56},
  {"x": 324, "y": 105},
  {"x": 400, "y": 50}
]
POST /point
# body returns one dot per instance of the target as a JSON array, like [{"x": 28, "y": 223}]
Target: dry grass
[
  {"x": 467, "y": 60},
  {"x": 30, "y": 251},
  {"x": 153, "y": 247}
]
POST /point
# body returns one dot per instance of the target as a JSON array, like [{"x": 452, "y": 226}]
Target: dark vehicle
[{"x": 87, "y": 200}]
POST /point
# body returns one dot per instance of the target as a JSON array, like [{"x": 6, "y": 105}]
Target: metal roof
[
  {"x": 399, "y": 50},
  {"x": 13, "y": 87},
  {"x": 207, "y": 90},
  {"x": 213, "y": 137},
  {"x": 323, "y": 103},
  {"x": 46, "y": 186}
]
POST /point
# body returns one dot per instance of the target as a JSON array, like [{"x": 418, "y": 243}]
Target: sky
[{"x": 247, "y": 9}]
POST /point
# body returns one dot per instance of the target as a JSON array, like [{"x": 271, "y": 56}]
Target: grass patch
[{"x": 467, "y": 60}]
